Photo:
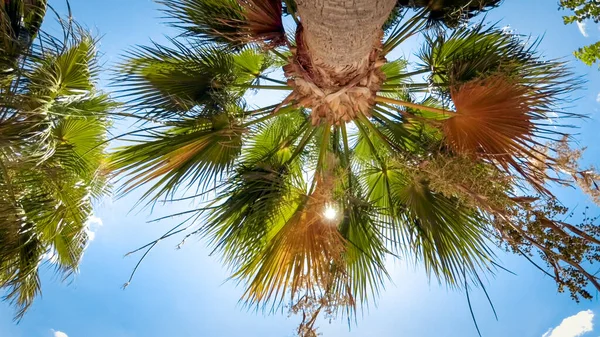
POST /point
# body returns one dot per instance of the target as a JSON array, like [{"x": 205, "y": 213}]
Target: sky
[{"x": 184, "y": 292}]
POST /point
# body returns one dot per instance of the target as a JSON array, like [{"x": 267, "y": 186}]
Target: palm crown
[
  {"x": 53, "y": 124},
  {"x": 362, "y": 159}
]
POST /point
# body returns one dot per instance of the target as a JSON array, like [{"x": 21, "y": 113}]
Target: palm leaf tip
[{"x": 449, "y": 240}]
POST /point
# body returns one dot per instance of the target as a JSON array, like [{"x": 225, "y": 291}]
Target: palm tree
[
  {"x": 363, "y": 159},
  {"x": 52, "y": 128}
]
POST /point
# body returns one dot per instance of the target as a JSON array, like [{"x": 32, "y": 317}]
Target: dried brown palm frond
[
  {"x": 496, "y": 119},
  {"x": 305, "y": 256},
  {"x": 263, "y": 21}
]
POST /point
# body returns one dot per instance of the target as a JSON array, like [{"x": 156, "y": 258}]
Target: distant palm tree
[
  {"x": 52, "y": 126},
  {"x": 360, "y": 160}
]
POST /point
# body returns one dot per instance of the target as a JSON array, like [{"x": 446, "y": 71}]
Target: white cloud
[
  {"x": 59, "y": 334},
  {"x": 92, "y": 224},
  {"x": 573, "y": 326},
  {"x": 598, "y": 98},
  {"x": 94, "y": 220},
  {"x": 582, "y": 30}
]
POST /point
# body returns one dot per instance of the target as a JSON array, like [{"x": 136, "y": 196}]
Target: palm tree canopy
[
  {"x": 53, "y": 125},
  {"x": 361, "y": 160}
]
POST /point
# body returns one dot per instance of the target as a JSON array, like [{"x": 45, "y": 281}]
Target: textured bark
[{"x": 341, "y": 33}]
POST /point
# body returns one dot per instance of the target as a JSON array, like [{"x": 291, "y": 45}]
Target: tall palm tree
[
  {"x": 52, "y": 128},
  {"x": 363, "y": 158}
]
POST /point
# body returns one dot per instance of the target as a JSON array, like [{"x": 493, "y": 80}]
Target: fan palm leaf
[{"x": 490, "y": 74}]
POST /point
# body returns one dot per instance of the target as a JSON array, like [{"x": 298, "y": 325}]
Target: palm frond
[
  {"x": 501, "y": 77},
  {"x": 195, "y": 151},
  {"x": 20, "y": 22},
  {"x": 185, "y": 80},
  {"x": 19, "y": 272},
  {"x": 365, "y": 251},
  {"x": 277, "y": 138},
  {"x": 438, "y": 232},
  {"x": 451, "y": 13},
  {"x": 257, "y": 199},
  {"x": 494, "y": 120},
  {"x": 70, "y": 72},
  {"x": 300, "y": 257},
  {"x": 403, "y": 31},
  {"x": 230, "y": 22}
]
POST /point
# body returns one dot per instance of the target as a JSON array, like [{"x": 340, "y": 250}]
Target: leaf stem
[
  {"x": 272, "y": 80},
  {"x": 410, "y": 74},
  {"x": 264, "y": 87},
  {"x": 414, "y": 105}
]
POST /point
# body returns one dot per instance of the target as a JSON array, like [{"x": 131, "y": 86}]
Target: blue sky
[{"x": 184, "y": 292}]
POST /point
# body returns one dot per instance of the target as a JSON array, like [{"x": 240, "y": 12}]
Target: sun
[{"x": 330, "y": 213}]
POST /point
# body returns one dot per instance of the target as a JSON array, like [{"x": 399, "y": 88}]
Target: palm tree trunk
[
  {"x": 335, "y": 71},
  {"x": 341, "y": 33}
]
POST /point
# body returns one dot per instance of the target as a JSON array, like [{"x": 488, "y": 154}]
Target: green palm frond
[
  {"x": 278, "y": 138},
  {"x": 166, "y": 82},
  {"x": 186, "y": 80},
  {"x": 230, "y": 22},
  {"x": 469, "y": 53},
  {"x": 251, "y": 64},
  {"x": 194, "y": 151},
  {"x": 395, "y": 72},
  {"x": 365, "y": 249},
  {"x": 209, "y": 20},
  {"x": 257, "y": 202},
  {"x": 262, "y": 191},
  {"x": 18, "y": 275},
  {"x": 80, "y": 148},
  {"x": 448, "y": 239},
  {"x": 67, "y": 72}
]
